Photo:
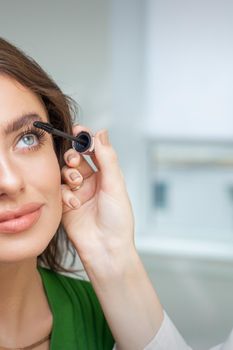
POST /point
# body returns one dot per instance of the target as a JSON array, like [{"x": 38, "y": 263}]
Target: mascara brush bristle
[{"x": 45, "y": 126}]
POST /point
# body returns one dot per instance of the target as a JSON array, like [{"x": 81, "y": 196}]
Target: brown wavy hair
[{"x": 61, "y": 110}]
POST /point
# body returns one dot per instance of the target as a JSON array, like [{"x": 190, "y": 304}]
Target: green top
[{"x": 78, "y": 321}]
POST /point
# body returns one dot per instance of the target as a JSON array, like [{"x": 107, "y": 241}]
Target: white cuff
[{"x": 166, "y": 338}]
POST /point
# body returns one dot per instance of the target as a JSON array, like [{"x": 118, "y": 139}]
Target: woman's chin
[{"x": 10, "y": 253}]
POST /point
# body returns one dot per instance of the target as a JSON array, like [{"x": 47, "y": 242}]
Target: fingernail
[
  {"x": 70, "y": 157},
  {"x": 74, "y": 203},
  {"x": 74, "y": 176},
  {"x": 104, "y": 139}
]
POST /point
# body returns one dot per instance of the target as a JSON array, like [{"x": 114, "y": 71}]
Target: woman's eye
[{"x": 28, "y": 140}]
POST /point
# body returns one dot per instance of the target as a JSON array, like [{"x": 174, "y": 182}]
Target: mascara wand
[{"x": 83, "y": 142}]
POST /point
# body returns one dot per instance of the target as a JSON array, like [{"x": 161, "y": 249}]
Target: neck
[{"x": 24, "y": 310}]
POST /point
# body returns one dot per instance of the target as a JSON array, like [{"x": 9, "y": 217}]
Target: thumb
[{"x": 111, "y": 175}]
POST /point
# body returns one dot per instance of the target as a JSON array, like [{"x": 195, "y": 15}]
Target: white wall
[
  {"x": 197, "y": 295},
  {"x": 127, "y": 74},
  {"x": 189, "y": 68}
]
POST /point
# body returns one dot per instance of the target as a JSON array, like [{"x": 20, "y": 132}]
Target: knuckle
[{"x": 113, "y": 156}]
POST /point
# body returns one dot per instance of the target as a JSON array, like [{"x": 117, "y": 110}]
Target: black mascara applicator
[{"x": 83, "y": 142}]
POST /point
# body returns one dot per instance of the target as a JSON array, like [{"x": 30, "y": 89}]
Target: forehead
[{"x": 16, "y": 100}]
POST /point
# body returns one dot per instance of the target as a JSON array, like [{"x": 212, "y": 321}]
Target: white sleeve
[{"x": 168, "y": 337}]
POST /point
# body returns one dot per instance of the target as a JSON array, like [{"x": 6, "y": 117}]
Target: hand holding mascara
[{"x": 82, "y": 143}]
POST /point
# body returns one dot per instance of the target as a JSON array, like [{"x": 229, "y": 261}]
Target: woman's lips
[{"x": 21, "y": 219}]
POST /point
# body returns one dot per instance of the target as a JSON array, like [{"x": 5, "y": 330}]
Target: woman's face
[{"x": 30, "y": 195}]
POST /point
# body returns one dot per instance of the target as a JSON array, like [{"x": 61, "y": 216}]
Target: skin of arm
[
  {"x": 129, "y": 301},
  {"x": 101, "y": 227}
]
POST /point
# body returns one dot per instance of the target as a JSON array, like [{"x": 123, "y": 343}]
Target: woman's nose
[{"x": 11, "y": 179}]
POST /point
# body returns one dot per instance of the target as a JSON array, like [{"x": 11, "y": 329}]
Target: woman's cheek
[
  {"x": 46, "y": 176},
  {"x": 49, "y": 187}
]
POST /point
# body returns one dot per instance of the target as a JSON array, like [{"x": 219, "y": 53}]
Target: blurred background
[{"x": 159, "y": 75}]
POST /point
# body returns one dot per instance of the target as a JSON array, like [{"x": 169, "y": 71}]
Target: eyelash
[{"x": 40, "y": 134}]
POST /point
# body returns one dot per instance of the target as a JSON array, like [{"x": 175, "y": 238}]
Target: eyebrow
[{"x": 24, "y": 120}]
